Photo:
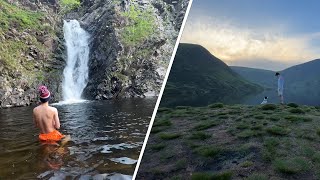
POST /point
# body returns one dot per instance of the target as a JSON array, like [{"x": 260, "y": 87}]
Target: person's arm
[
  {"x": 34, "y": 119},
  {"x": 56, "y": 120}
]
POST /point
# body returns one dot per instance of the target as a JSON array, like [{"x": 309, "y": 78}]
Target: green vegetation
[
  {"x": 250, "y": 143},
  {"x": 14, "y": 47},
  {"x": 257, "y": 176},
  {"x": 141, "y": 26},
  {"x": 247, "y": 164},
  {"x": 169, "y": 136},
  {"x": 208, "y": 151},
  {"x": 69, "y": 5},
  {"x": 294, "y": 105},
  {"x": 206, "y": 124},
  {"x": 20, "y": 19},
  {"x": 216, "y": 105},
  {"x": 291, "y": 165},
  {"x": 269, "y": 107},
  {"x": 157, "y": 147},
  {"x": 200, "y": 135},
  {"x": 296, "y": 111},
  {"x": 277, "y": 130},
  {"x": 211, "y": 176}
]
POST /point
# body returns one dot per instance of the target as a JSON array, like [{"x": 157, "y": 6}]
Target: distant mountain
[
  {"x": 199, "y": 78},
  {"x": 302, "y": 82},
  {"x": 264, "y": 78}
]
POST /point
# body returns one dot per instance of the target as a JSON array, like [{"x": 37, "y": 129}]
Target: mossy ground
[
  {"x": 18, "y": 27},
  {"x": 234, "y": 142}
]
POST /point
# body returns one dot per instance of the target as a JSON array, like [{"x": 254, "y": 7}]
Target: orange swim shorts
[{"x": 52, "y": 136}]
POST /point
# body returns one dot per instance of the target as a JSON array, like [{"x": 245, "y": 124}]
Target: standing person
[
  {"x": 46, "y": 118},
  {"x": 280, "y": 87}
]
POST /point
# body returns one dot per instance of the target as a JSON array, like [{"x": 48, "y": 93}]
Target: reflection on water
[{"x": 106, "y": 138}]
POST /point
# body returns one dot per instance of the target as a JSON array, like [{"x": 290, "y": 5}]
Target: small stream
[{"x": 106, "y": 140}]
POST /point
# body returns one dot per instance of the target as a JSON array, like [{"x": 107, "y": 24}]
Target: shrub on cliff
[
  {"x": 69, "y": 5},
  {"x": 141, "y": 25}
]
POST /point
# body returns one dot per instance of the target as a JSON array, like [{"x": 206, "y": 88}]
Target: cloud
[{"x": 233, "y": 43}]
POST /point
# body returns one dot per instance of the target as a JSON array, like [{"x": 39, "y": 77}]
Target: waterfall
[{"x": 76, "y": 71}]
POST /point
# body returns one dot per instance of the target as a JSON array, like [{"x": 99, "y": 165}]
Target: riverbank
[{"x": 234, "y": 142}]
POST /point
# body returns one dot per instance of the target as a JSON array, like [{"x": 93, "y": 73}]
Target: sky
[{"x": 265, "y": 34}]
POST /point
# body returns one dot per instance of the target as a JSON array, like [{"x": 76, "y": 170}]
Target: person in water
[
  {"x": 46, "y": 118},
  {"x": 280, "y": 87}
]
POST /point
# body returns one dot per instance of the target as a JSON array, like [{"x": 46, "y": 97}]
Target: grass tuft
[
  {"x": 200, "y": 136},
  {"x": 206, "y": 125},
  {"x": 211, "y": 176},
  {"x": 296, "y": 111},
  {"x": 216, "y": 105},
  {"x": 294, "y": 105},
  {"x": 292, "y": 165},
  {"x": 269, "y": 107},
  {"x": 208, "y": 151},
  {"x": 169, "y": 136},
  {"x": 277, "y": 130}
]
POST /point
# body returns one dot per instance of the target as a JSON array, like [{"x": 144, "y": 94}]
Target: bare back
[{"x": 46, "y": 118}]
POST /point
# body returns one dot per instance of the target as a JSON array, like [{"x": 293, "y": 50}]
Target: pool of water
[{"x": 106, "y": 138}]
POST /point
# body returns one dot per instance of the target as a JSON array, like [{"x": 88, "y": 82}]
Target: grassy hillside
[
  {"x": 234, "y": 142},
  {"x": 199, "y": 78},
  {"x": 264, "y": 78},
  {"x": 304, "y": 78}
]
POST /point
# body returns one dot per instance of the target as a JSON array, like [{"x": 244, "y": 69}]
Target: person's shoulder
[
  {"x": 53, "y": 109},
  {"x": 35, "y": 109}
]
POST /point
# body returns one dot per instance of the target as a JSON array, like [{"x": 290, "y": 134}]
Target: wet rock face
[{"x": 116, "y": 69}]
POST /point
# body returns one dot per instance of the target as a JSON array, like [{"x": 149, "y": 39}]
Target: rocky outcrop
[
  {"x": 122, "y": 69},
  {"x": 29, "y": 41}
]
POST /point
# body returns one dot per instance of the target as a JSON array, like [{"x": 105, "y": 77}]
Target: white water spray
[{"x": 76, "y": 71}]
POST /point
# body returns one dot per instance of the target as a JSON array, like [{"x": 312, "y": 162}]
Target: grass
[
  {"x": 181, "y": 164},
  {"x": 216, "y": 105},
  {"x": 277, "y": 130},
  {"x": 294, "y": 105},
  {"x": 257, "y": 176},
  {"x": 155, "y": 130},
  {"x": 199, "y": 136},
  {"x": 291, "y": 165},
  {"x": 142, "y": 25},
  {"x": 20, "y": 19},
  {"x": 206, "y": 125},
  {"x": 208, "y": 151},
  {"x": 280, "y": 145},
  {"x": 162, "y": 122},
  {"x": 296, "y": 111},
  {"x": 211, "y": 176},
  {"x": 247, "y": 164},
  {"x": 13, "y": 52},
  {"x": 169, "y": 136},
  {"x": 246, "y": 133},
  {"x": 158, "y": 147},
  {"x": 69, "y": 5},
  {"x": 269, "y": 107}
]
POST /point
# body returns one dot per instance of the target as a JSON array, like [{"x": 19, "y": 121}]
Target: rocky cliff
[
  {"x": 130, "y": 46},
  {"x": 29, "y": 42}
]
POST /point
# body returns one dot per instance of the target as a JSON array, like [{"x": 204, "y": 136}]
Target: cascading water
[{"x": 76, "y": 71}]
